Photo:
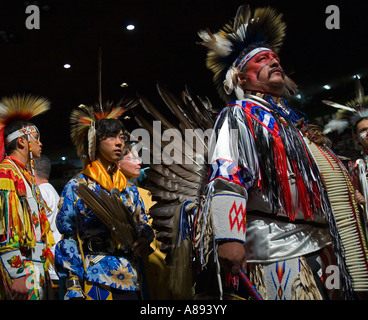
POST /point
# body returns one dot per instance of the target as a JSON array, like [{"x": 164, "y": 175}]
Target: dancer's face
[
  {"x": 130, "y": 165},
  {"x": 111, "y": 148},
  {"x": 362, "y": 134},
  {"x": 36, "y": 145},
  {"x": 263, "y": 73}
]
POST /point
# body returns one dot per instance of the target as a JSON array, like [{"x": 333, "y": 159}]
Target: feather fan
[{"x": 111, "y": 210}]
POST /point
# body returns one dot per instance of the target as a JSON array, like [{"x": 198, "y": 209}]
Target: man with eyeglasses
[{"x": 25, "y": 235}]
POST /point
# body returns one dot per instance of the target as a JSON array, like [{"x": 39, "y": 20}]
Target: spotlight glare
[
  {"x": 130, "y": 27},
  {"x": 327, "y": 87},
  {"x": 124, "y": 85},
  {"x": 67, "y": 66}
]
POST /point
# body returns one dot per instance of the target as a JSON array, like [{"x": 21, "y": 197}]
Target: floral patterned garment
[
  {"x": 25, "y": 235},
  {"x": 119, "y": 272}
]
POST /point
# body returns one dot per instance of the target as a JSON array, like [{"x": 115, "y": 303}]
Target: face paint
[
  {"x": 263, "y": 73},
  {"x": 240, "y": 63},
  {"x": 363, "y": 135},
  {"x": 256, "y": 65}
]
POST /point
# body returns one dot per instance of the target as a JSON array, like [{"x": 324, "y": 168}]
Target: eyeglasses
[
  {"x": 133, "y": 159},
  {"x": 120, "y": 137}
]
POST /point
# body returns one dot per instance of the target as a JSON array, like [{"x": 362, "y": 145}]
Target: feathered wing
[
  {"x": 176, "y": 186},
  {"x": 187, "y": 117}
]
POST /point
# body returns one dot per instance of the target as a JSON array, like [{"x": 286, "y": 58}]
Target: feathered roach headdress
[
  {"x": 21, "y": 107},
  {"x": 228, "y": 48},
  {"x": 350, "y": 113},
  {"x": 83, "y": 122}
]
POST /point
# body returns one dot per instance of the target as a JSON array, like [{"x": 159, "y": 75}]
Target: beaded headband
[
  {"x": 21, "y": 132},
  {"x": 240, "y": 64}
]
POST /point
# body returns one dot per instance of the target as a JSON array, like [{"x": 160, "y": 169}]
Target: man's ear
[
  {"x": 22, "y": 142},
  {"x": 242, "y": 80}
]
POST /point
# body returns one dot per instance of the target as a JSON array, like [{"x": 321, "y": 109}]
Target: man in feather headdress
[
  {"x": 97, "y": 259},
  {"x": 359, "y": 168},
  {"x": 266, "y": 207},
  {"x": 354, "y": 116},
  {"x": 25, "y": 235}
]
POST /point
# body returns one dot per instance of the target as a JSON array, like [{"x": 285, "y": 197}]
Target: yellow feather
[{"x": 22, "y": 107}]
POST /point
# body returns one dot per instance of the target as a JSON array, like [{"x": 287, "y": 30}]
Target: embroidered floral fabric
[
  {"x": 117, "y": 272},
  {"x": 25, "y": 236}
]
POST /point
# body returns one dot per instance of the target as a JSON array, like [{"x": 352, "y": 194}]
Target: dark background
[{"x": 163, "y": 48}]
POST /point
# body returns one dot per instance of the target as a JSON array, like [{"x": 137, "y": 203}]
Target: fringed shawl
[
  {"x": 281, "y": 149},
  {"x": 16, "y": 225}
]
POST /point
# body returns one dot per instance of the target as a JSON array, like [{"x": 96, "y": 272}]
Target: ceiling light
[
  {"x": 67, "y": 66},
  {"x": 124, "y": 85},
  {"x": 327, "y": 87},
  {"x": 130, "y": 27}
]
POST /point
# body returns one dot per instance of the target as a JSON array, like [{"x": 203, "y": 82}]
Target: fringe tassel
[
  {"x": 304, "y": 286},
  {"x": 46, "y": 230},
  {"x": 3, "y": 222},
  {"x": 6, "y": 281},
  {"x": 283, "y": 179},
  {"x": 256, "y": 276},
  {"x": 203, "y": 228},
  {"x": 23, "y": 220},
  {"x": 49, "y": 258},
  {"x": 180, "y": 277}
]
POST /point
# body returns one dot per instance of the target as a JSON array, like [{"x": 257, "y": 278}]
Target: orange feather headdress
[{"x": 83, "y": 121}]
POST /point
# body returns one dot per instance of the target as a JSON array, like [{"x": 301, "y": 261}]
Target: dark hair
[
  {"x": 355, "y": 126},
  {"x": 105, "y": 128},
  {"x": 43, "y": 167},
  {"x": 108, "y": 128},
  {"x": 10, "y": 128}
]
